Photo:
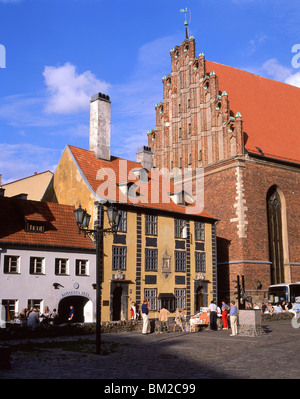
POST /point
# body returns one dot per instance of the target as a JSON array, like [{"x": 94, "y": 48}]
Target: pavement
[{"x": 169, "y": 356}]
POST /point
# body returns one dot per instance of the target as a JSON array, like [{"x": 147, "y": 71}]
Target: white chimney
[
  {"x": 144, "y": 156},
  {"x": 100, "y": 110}
]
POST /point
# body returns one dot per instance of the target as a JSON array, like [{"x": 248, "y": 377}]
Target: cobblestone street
[{"x": 175, "y": 355}]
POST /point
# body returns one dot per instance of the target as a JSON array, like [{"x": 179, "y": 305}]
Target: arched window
[{"x": 274, "y": 208}]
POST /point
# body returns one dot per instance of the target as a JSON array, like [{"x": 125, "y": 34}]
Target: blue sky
[{"x": 61, "y": 52}]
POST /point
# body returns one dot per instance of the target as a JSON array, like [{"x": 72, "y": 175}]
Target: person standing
[
  {"x": 225, "y": 309},
  {"x": 133, "y": 311},
  {"x": 145, "y": 311},
  {"x": 233, "y": 318},
  {"x": 212, "y": 315},
  {"x": 72, "y": 313},
  {"x": 163, "y": 318},
  {"x": 33, "y": 319}
]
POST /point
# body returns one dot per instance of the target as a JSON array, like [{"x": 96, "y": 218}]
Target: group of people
[
  {"x": 225, "y": 312},
  {"x": 278, "y": 308},
  {"x": 32, "y": 317}
]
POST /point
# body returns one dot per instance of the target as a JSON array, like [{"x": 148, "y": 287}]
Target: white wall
[{"x": 24, "y": 286}]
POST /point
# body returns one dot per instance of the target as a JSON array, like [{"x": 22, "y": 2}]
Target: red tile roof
[
  {"x": 60, "y": 226},
  {"x": 151, "y": 194},
  {"x": 270, "y": 111}
]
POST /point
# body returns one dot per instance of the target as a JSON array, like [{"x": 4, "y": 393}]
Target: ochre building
[{"x": 165, "y": 248}]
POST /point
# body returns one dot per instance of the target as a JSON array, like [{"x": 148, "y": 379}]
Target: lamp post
[{"x": 82, "y": 219}]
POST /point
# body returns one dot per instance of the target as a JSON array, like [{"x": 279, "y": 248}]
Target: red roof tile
[
  {"x": 60, "y": 226},
  {"x": 270, "y": 111},
  {"x": 151, "y": 194}
]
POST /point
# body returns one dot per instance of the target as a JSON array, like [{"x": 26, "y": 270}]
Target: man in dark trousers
[{"x": 213, "y": 315}]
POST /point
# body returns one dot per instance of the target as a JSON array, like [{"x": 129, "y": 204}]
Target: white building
[{"x": 44, "y": 261}]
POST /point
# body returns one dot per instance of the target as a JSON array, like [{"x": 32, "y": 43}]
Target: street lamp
[{"x": 83, "y": 219}]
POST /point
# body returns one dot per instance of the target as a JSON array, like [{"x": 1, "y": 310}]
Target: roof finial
[{"x": 186, "y": 23}]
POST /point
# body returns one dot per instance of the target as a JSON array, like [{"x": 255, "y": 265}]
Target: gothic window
[{"x": 275, "y": 236}]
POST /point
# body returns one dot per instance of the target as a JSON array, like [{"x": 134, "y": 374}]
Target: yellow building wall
[
  {"x": 68, "y": 187},
  {"x": 34, "y": 186},
  {"x": 165, "y": 242}
]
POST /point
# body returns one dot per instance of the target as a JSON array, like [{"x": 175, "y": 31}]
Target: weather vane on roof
[{"x": 186, "y": 23}]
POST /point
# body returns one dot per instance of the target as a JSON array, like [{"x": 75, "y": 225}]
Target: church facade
[{"x": 242, "y": 132}]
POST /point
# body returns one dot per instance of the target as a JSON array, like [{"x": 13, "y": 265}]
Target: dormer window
[
  {"x": 141, "y": 174},
  {"x": 34, "y": 227}
]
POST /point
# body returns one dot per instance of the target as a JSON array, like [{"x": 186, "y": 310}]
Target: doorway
[
  {"x": 200, "y": 290},
  {"x": 117, "y": 303},
  {"x": 78, "y": 302},
  {"x": 119, "y": 300}
]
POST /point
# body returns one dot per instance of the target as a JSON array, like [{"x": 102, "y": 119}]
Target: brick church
[{"x": 242, "y": 131}]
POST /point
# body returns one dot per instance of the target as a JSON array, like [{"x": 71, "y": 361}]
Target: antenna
[{"x": 186, "y": 23}]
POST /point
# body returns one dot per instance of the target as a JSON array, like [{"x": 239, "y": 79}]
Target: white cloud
[
  {"x": 274, "y": 70},
  {"x": 21, "y": 160},
  {"x": 70, "y": 92}
]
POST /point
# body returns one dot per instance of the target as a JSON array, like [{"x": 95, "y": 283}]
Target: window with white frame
[
  {"x": 36, "y": 265},
  {"x": 9, "y": 309},
  {"x": 61, "y": 266},
  {"x": 82, "y": 267},
  {"x": 123, "y": 222},
  {"x": 11, "y": 264},
  {"x": 179, "y": 224},
  {"x": 151, "y": 296},
  {"x": 180, "y": 298},
  {"x": 35, "y": 303}
]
